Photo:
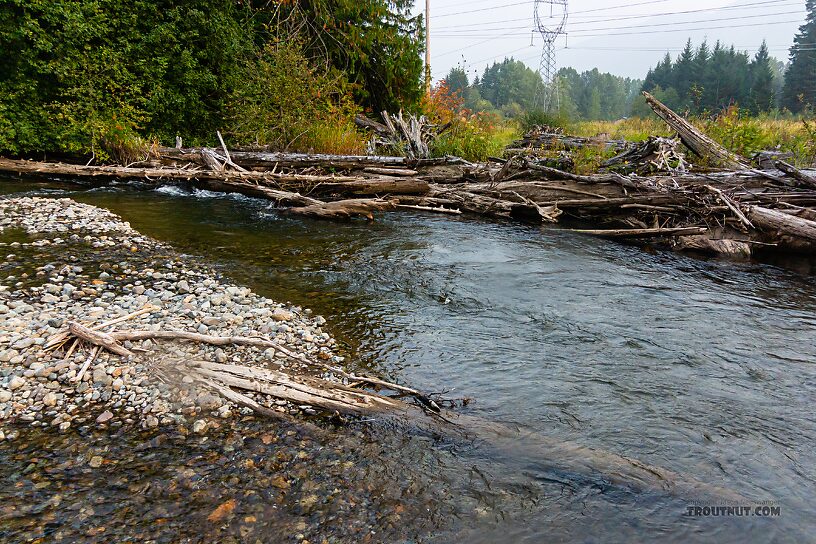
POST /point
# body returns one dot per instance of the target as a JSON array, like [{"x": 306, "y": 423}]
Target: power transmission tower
[{"x": 550, "y": 20}]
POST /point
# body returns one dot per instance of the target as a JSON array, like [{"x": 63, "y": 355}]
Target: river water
[{"x": 705, "y": 368}]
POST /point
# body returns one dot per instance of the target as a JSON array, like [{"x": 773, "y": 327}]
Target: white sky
[{"x": 612, "y": 35}]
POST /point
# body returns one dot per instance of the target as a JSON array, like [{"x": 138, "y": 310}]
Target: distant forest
[
  {"x": 701, "y": 80},
  {"x": 510, "y": 88}
]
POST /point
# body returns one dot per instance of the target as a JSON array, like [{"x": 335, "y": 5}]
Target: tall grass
[
  {"x": 476, "y": 138},
  {"x": 740, "y": 134}
]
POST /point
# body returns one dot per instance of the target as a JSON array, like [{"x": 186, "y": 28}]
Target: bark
[
  {"x": 694, "y": 139},
  {"x": 790, "y": 170},
  {"x": 787, "y": 231}
]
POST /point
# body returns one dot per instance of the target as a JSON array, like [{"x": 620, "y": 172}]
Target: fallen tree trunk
[
  {"x": 787, "y": 231},
  {"x": 346, "y": 209},
  {"x": 643, "y": 233},
  {"x": 372, "y": 187},
  {"x": 795, "y": 173},
  {"x": 695, "y": 140}
]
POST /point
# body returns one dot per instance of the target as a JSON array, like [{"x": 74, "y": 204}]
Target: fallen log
[
  {"x": 345, "y": 209},
  {"x": 643, "y": 233},
  {"x": 787, "y": 231},
  {"x": 694, "y": 139},
  {"x": 790, "y": 170},
  {"x": 372, "y": 187},
  {"x": 705, "y": 244}
]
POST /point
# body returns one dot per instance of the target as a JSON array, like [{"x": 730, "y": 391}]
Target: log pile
[
  {"x": 543, "y": 139},
  {"x": 738, "y": 211},
  {"x": 408, "y": 136}
]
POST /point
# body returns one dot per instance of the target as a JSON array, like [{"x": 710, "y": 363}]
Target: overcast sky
[{"x": 624, "y": 37}]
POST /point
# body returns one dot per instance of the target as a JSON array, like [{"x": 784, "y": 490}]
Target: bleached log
[{"x": 694, "y": 139}]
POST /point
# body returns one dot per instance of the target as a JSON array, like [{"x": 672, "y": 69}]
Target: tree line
[
  {"x": 701, "y": 80},
  {"x": 80, "y": 76},
  {"x": 512, "y": 89}
]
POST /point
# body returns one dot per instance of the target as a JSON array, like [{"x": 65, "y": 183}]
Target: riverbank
[{"x": 41, "y": 293}]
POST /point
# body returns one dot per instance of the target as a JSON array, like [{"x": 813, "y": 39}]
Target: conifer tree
[
  {"x": 762, "y": 82},
  {"x": 800, "y": 80}
]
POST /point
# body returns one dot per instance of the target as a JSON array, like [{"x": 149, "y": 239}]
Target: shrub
[{"x": 286, "y": 103}]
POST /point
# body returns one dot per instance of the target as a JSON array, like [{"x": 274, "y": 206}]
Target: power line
[
  {"x": 650, "y": 25},
  {"x": 753, "y": 5},
  {"x": 582, "y": 33}
]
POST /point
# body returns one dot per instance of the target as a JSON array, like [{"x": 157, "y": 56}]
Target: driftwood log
[{"x": 695, "y": 140}]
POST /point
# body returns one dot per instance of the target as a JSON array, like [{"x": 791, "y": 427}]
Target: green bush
[
  {"x": 286, "y": 103},
  {"x": 539, "y": 117},
  {"x": 476, "y": 138}
]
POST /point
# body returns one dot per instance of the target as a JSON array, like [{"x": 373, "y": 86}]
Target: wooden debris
[
  {"x": 654, "y": 155},
  {"x": 346, "y": 209},
  {"x": 643, "y": 233},
  {"x": 695, "y": 140},
  {"x": 790, "y": 170}
]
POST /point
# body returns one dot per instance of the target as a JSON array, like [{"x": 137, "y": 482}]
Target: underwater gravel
[{"x": 124, "y": 456}]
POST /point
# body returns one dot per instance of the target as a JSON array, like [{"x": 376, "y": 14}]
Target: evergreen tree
[
  {"x": 457, "y": 81},
  {"x": 684, "y": 71},
  {"x": 800, "y": 80},
  {"x": 762, "y": 82}
]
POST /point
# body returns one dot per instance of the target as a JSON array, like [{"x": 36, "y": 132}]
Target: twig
[{"x": 85, "y": 365}]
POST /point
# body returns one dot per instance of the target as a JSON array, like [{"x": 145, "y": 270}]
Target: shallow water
[{"x": 705, "y": 368}]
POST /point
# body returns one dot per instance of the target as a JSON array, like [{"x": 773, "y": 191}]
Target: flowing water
[{"x": 705, "y": 368}]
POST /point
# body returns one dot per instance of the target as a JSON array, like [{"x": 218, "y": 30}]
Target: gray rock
[
  {"x": 16, "y": 382},
  {"x": 24, "y": 343},
  {"x": 208, "y": 401},
  {"x": 220, "y": 356},
  {"x": 101, "y": 377},
  {"x": 104, "y": 417},
  {"x": 199, "y": 426}
]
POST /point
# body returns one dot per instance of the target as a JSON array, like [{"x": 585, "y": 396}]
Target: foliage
[
  {"x": 472, "y": 136},
  {"x": 287, "y": 104},
  {"x": 98, "y": 75},
  {"x": 799, "y": 90},
  {"x": 377, "y": 43},
  {"x": 80, "y": 68},
  {"x": 538, "y": 118},
  {"x": 510, "y": 88},
  {"x": 476, "y": 137},
  {"x": 594, "y": 95},
  {"x": 743, "y": 134},
  {"x": 702, "y": 81}
]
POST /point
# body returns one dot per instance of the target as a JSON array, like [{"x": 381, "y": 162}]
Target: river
[{"x": 704, "y": 367}]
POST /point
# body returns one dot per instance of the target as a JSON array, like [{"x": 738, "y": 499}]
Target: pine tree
[
  {"x": 457, "y": 80},
  {"x": 800, "y": 80},
  {"x": 684, "y": 70},
  {"x": 762, "y": 82}
]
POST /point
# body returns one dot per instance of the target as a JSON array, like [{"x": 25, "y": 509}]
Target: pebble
[
  {"x": 95, "y": 462},
  {"x": 40, "y": 387},
  {"x": 281, "y": 315}
]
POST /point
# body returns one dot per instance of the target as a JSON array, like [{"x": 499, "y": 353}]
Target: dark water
[{"x": 705, "y": 368}]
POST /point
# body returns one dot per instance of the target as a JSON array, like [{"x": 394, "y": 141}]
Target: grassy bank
[{"x": 743, "y": 135}]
